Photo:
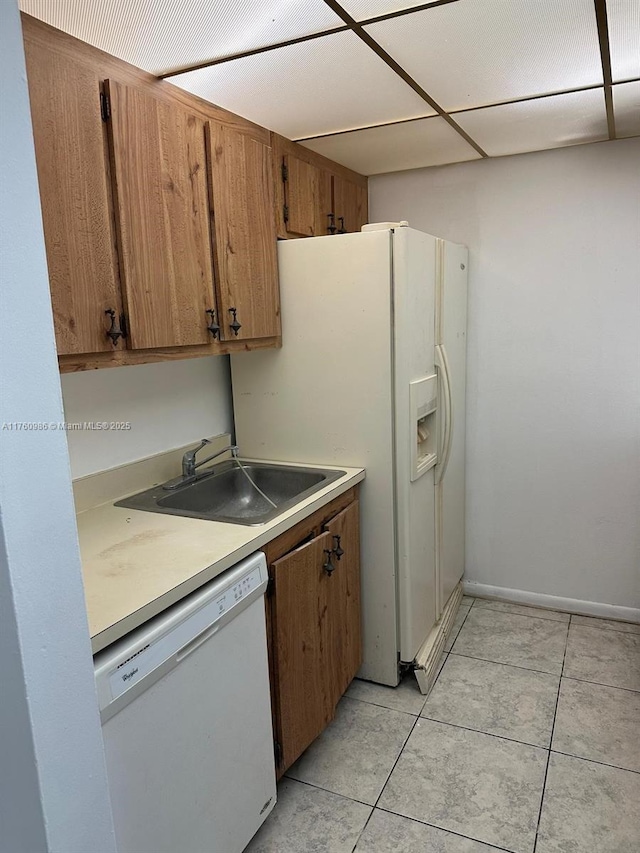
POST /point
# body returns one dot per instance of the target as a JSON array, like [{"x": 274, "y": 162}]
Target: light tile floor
[{"x": 529, "y": 742}]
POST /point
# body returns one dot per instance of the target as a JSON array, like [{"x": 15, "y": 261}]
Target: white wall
[
  {"x": 168, "y": 405},
  {"x": 553, "y": 422},
  {"x": 53, "y": 787}
]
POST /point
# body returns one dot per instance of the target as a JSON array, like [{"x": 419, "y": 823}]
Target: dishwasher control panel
[
  {"x": 170, "y": 637},
  {"x": 238, "y": 591}
]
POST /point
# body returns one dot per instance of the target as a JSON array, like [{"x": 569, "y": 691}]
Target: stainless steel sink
[{"x": 226, "y": 494}]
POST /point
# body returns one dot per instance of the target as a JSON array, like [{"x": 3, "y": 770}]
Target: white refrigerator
[{"x": 372, "y": 373}]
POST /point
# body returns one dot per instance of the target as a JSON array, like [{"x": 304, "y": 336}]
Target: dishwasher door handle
[{"x": 197, "y": 641}]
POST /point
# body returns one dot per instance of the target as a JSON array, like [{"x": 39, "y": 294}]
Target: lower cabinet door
[
  {"x": 344, "y": 598},
  {"x": 305, "y": 694}
]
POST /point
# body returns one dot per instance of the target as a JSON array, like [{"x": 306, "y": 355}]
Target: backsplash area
[{"x": 167, "y": 405}]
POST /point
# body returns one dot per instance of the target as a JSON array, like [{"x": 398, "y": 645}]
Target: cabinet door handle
[
  {"x": 115, "y": 332},
  {"x": 235, "y": 326},
  {"x": 337, "y": 549},
  {"x": 328, "y": 565},
  {"x": 331, "y": 227},
  {"x": 341, "y": 229},
  {"x": 213, "y": 327}
]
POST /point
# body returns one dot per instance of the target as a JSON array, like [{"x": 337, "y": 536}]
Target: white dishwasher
[{"x": 186, "y": 721}]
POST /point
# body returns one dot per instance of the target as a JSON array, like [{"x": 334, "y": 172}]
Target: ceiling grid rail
[
  {"x": 301, "y": 39},
  {"x": 253, "y": 52},
  {"x": 362, "y": 34},
  {"x": 522, "y": 100},
  {"x": 358, "y": 28},
  {"x": 605, "y": 57}
]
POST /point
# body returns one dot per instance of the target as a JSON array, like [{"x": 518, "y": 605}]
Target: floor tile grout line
[
  {"x": 598, "y": 628},
  {"x": 600, "y": 684},
  {"x": 595, "y": 761},
  {"x": 384, "y": 785},
  {"x": 547, "y": 748},
  {"x": 417, "y": 717},
  {"x": 406, "y": 740},
  {"x": 528, "y": 615},
  {"x": 553, "y": 726},
  {"x": 459, "y": 629},
  {"x": 611, "y": 631},
  {"x": 442, "y": 829},
  {"x": 604, "y": 619},
  {"x": 566, "y": 612},
  {"x": 488, "y": 734},
  {"x": 435, "y": 826},
  {"x": 376, "y": 805},
  {"x": 393, "y": 767},
  {"x": 378, "y": 705},
  {"x": 502, "y": 663},
  {"x": 327, "y": 791},
  {"x": 390, "y": 811},
  {"x": 360, "y": 834}
]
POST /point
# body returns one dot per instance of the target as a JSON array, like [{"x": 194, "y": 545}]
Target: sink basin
[{"x": 225, "y": 493}]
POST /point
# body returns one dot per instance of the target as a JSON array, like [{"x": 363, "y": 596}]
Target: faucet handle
[{"x": 189, "y": 459}]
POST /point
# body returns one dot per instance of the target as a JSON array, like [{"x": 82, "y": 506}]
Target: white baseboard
[{"x": 552, "y": 602}]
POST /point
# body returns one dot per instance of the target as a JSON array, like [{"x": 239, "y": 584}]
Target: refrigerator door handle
[{"x": 442, "y": 363}]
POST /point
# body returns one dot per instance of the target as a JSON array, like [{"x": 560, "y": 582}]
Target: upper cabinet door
[
  {"x": 307, "y": 198},
  {"x": 160, "y": 188},
  {"x": 350, "y": 204},
  {"x": 71, "y": 155},
  {"x": 241, "y": 188}
]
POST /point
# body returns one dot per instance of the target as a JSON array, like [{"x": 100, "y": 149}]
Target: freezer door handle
[{"x": 442, "y": 363}]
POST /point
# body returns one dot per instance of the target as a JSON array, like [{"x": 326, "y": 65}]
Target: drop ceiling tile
[
  {"x": 321, "y": 86},
  {"x": 551, "y": 122},
  {"x": 394, "y": 147},
  {"x": 623, "y": 18},
  {"x": 160, "y": 35},
  {"x": 626, "y": 109},
  {"x": 480, "y": 52},
  {"x": 361, "y": 10}
]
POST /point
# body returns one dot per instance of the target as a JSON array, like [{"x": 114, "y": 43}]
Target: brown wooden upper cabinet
[
  {"x": 171, "y": 170},
  {"x": 158, "y": 210},
  {"x": 241, "y": 187},
  {"x": 307, "y": 197},
  {"x": 349, "y": 204},
  {"x": 75, "y": 195},
  {"x": 316, "y": 197},
  {"x": 158, "y": 218},
  {"x": 159, "y": 173}
]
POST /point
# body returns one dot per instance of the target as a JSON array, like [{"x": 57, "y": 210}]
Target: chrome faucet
[{"x": 189, "y": 464}]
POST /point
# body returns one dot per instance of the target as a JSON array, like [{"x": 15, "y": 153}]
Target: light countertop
[{"x": 135, "y": 564}]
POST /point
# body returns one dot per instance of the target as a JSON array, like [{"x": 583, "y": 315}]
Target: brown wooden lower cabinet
[
  {"x": 344, "y": 597},
  {"x": 313, "y": 623}
]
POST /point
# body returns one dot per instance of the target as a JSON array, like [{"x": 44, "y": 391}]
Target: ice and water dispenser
[{"x": 424, "y": 403}]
